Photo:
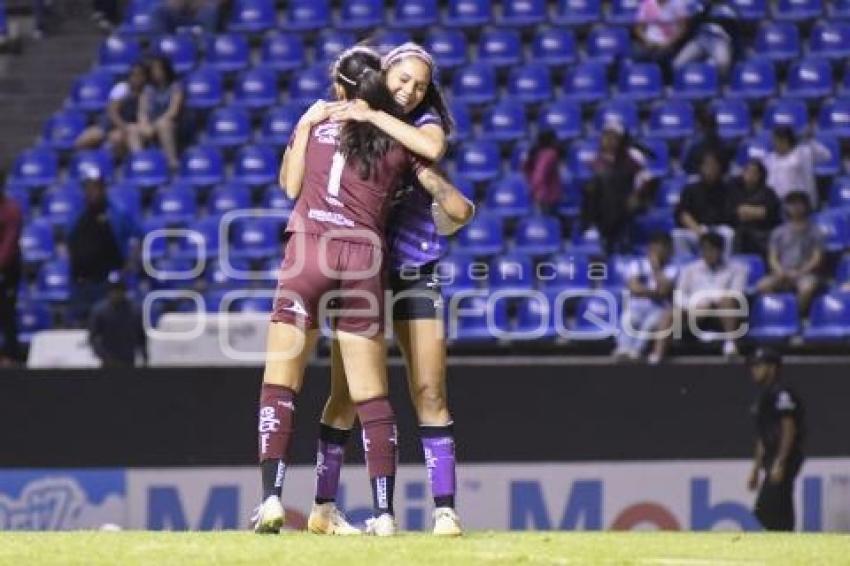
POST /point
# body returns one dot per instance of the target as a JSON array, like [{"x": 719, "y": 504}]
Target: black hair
[
  {"x": 707, "y": 120},
  {"x": 547, "y": 138},
  {"x": 798, "y": 197},
  {"x": 758, "y": 164},
  {"x": 786, "y": 133},
  {"x": 712, "y": 239},
  {"x": 662, "y": 238},
  {"x": 140, "y": 66},
  {"x": 167, "y": 68},
  {"x": 435, "y": 100},
  {"x": 358, "y": 73}
]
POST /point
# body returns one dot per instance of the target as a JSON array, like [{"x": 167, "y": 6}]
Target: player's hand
[
  {"x": 319, "y": 112},
  {"x": 777, "y": 473},
  {"x": 753, "y": 480},
  {"x": 357, "y": 111}
]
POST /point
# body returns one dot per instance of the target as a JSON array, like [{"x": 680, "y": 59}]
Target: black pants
[
  {"x": 775, "y": 502},
  {"x": 9, "y": 280}
]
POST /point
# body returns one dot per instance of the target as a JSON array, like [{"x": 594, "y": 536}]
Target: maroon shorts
[{"x": 337, "y": 279}]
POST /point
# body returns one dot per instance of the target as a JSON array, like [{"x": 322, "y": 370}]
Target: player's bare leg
[{"x": 288, "y": 348}]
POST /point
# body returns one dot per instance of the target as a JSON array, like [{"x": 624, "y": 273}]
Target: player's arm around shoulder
[{"x": 451, "y": 209}]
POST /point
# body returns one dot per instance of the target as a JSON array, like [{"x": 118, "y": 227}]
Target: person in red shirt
[
  {"x": 542, "y": 172},
  {"x": 335, "y": 254},
  {"x": 11, "y": 223}
]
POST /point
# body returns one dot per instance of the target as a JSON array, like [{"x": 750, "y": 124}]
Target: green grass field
[{"x": 649, "y": 548}]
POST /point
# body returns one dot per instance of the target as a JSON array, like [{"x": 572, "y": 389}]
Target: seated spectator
[
  {"x": 712, "y": 283},
  {"x": 791, "y": 165},
  {"x": 706, "y": 140},
  {"x": 661, "y": 26},
  {"x": 100, "y": 241},
  {"x": 710, "y": 39},
  {"x": 795, "y": 254},
  {"x": 703, "y": 207},
  {"x": 122, "y": 123},
  {"x": 754, "y": 210},
  {"x": 116, "y": 331},
  {"x": 11, "y": 224},
  {"x": 542, "y": 172},
  {"x": 618, "y": 189},
  {"x": 160, "y": 108},
  {"x": 651, "y": 282},
  {"x": 174, "y": 14}
]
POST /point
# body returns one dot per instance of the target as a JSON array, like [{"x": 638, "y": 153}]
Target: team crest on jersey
[{"x": 327, "y": 133}]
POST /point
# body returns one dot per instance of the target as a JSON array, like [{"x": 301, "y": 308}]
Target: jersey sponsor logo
[
  {"x": 327, "y": 133},
  {"x": 298, "y": 309},
  {"x": 281, "y": 474},
  {"x": 784, "y": 402},
  {"x": 334, "y": 201},
  {"x": 330, "y": 218}
]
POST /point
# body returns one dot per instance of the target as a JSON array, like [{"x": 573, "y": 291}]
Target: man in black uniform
[{"x": 779, "y": 419}]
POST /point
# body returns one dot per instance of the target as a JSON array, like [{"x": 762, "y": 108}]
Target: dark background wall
[{"x": 203, "y": 416}]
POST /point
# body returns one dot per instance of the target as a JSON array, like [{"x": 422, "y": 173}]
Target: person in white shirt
[{"x": 791, "y": 165}]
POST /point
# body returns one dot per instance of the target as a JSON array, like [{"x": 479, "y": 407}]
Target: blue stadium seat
[
  {"x": 750, "y": 10},
  {"x": 832, "y": 165},
  {"x": 448, "y": 47},
  {"x": 696, "y": 81},
  {"x": 92, "y": 161},
  {"x": 563, "y": 117},
  {"x": 34, "y": 168},
  {"x": 204, "y": 88},
  {"x": 670, "y": 191},
  {"x": 623, "y": 12},
  {"x": 252, "y": 16},
  {"x": 733, "y": 117},
  {"x": 834, "y": 226},
  {"x": 208, "y": 230},
  {"x": 22, "y": 197},
  {"x": 755, "y": 147},
  {"x": 228, "y": 197},
  {"x": 309, "y": 85},
  {"x": 482, "y": 236},
  {"x": 779, "y": 41},
  {"x": 586, "y": 82},
  {"x": 256, "y": 238},
  {"x": 535, "y": 318},
  {"x": 146, "y": 168},
  {"x": 256, "y": 89},
  {"x": 60, "y": 205},
  {"x": 774, "y": 317},
  {"x": 228, "y": 127},
  {"x": 512, "y": 272},
  {"x": 500, "y": 47},
  {"x": 505, "y": 122},
  {"x": 797, "y": 10},
  {"x": 174, "y": 205},
  {"x": 577, "y": 12},
  {"x": 554, "y": 47},
  {"x": 388, "y": 39},
  {"x": 829, "y": 318},
  {"x": 278, "y": 124},
  {"x": 180, "y": 49},
  {"x": 117, "y": 54},
  {"x": 607, "y": 44},
  {"x": 597, "y": 318},
  {"x": 786, "y": 112},
  {"x": 564, "y": 271},
  {"x": 202, "y": 166},
  {"x": 509, "y": 197},
  {"x": 129, "y": 198},
  {"x": 468, "y": 13},
  {"x": 810, "y": 78},
  {"x": 275, "y": 199},
  {"x": 307, "y": 15},
  {"x": 466, "y": 187},
  {"x": 834, "y": 118},
  {"x": 756, "y": 268},
  {"x": 753, "y": 79},
  {"x": 228, "y": 52},
  {"x": 657, "y": 157},
  {"x": 90, "y": 92},
  {"x": 839, "y": 9},
  {"x": 454, "y": 274},
  {"x": 538, "y": 235},
  {"x": 415, "y": 14},
  {"x": 255, "y": 165},
  {"x": 361, "y": 14},
  {"x": 624, "y": 111},
  {"x": 830, "y": 40},
  {"x": 252, "y": 304},
  {"x": 523, "y": 13},
  {"x": 581, "y": 156},
  {"x": 463, "y": 122},
  {"x": 645, "y": 225},
  {"x": 282, "y": 52},
  {"x": 640, "y": 81},
  {"x": 842, "y": 272},
  {"x": 53, "y": 282},
  {"x": 37, "y": 241},
  {"x": 474, "y": 84},
  {"x": 330, "y": 44},
  {"x": 138, "y": 18},
  {"x": 530, "y": 83},
  {"x": 474, "y": 317},
  {"x": 478, "y": 161},
  {"x": 839, "y": 193},
  {"x": 671, "y": 119},
  {"x": 63, "y": 128},
  {"x": 519, "y": 155},
  {"x": 222, "y": 279},
  {"x": 32, "y": 317},
  {"x": 171, "y": 273}
]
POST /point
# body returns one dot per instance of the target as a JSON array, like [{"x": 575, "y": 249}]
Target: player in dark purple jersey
[
  {"x": 345, "y": 177},
  {"x": 416, "y": 243}
]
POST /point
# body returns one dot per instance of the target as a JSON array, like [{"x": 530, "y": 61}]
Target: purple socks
[
  {"x": 329, "y": 457},
  {"x": 438, "y": 444}
]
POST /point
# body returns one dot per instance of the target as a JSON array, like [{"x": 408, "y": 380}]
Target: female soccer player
[
  {"x": 415, "y": 247},
  {"x": 335, "y": 251}
]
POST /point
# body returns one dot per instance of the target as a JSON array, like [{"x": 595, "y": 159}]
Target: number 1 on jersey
[{"x": 335, "y": 176}]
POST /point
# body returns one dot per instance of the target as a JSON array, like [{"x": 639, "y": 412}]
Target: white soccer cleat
[
  {"x": 383, "y": 526},
  {"x": 446, "y": 522},
  {"x": 269, "y": 516},
  {"x": 326, "y": 519}
]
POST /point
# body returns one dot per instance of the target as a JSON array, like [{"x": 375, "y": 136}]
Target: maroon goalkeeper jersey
[{"x": 335, "y": 201}]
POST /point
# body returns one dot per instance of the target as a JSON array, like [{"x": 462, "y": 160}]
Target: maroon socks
[
  {"x": 380, "y": 443},
  {"x": 276, "y": 418}
]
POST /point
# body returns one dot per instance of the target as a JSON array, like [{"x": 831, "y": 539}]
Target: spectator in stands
[
  {"x": 542, "y": 171},
  {"x": 795, "y": 253},
  {"x": 106, "y": 14},
  {"x": 703, "y": 207},
  {"x": 661, "y": 26},
  {"x": 618, "y": 188},
  {"x": 706, "y": 140},
  {"x": 709, "y": 41},
  {"x": 123, "y": 116},
  {"x": 160, "y": 107},
  {"x": 754, "y": 210},
  {"x": 11, "y": 224},
  {"x": 651, "y": 283},
  {"x": 712, "y": 283},
  {"x": 173, "y": 14},
  {"x": 101, "y": 240},
  {"x": 116, "y": 331},
  {"x": 791, "y": 165}
]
